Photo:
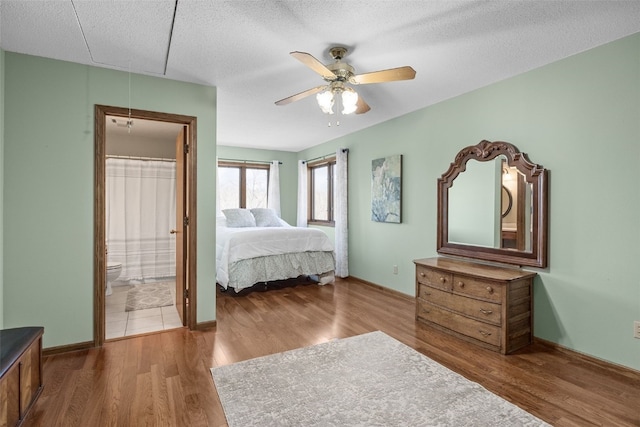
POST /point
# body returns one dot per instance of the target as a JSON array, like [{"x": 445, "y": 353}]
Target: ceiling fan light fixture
[
  {"x": 325, "y": 101},
  {"x": 338, "y": 75},
  {"x": 349, "y": 100}
]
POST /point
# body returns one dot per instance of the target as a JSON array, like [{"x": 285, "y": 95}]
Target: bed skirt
[{"x": 247, "y": 272}]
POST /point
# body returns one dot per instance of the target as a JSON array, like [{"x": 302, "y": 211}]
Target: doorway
[{"x": 183, "y": 229}]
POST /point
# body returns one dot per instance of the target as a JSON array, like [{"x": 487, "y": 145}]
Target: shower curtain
[{"x": 140, "y": 212}]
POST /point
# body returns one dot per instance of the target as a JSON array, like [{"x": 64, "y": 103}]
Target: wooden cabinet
[
  {"x": 487, "y": 305},
  {"x": 20, "y": 373}
]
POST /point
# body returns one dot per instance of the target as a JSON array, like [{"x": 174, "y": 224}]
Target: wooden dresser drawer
[
  {"x": 480, "y": 331},
  {"x": 434, "y": 278},
  {"x": 481, "y": 310},
  {"x": 477, "y": 288}
]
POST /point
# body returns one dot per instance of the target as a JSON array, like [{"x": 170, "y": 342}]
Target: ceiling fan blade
[
  {"x": 301, "y": 95},
  {"x": 314, "y": 64},
  {"x": 390, "y": 75},
  {"x": 362, "y": 107}
]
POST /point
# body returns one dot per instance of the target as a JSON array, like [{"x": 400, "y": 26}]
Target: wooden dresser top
[{"x": 474, "y": 269}]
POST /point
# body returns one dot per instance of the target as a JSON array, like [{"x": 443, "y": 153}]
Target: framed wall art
[{"x": 386, "y": 189}]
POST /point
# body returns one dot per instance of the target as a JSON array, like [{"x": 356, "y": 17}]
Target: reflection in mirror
[
  {"x": 494, "y": 207},
  {"x": 507, "y": 202},
  {"x": 515, "y": 226},
  {"x": 472, "y": 206}
]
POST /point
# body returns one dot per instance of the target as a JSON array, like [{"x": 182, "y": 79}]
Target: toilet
[{"x": 113, "y": 272}]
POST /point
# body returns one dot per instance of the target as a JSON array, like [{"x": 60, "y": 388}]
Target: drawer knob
[
  {"x": 442, "y": 279},
  {"x": 485, "y": 334},
  {"x": 422, "y": 274},
  {"x": 426, "y": 311},
  {"x": 426, "y": 293},
  {"x": 461, "y": 284},
  {"x": 489, "y": 289},
  {"x": 487, "y": 312}
]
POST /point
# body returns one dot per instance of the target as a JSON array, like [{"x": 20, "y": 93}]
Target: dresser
[
  {"x": 20, "y": 372},
  {"x": 487, "y": 305}
]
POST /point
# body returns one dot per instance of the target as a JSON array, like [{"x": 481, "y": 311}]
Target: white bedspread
[{"x": 235, "y": 244}]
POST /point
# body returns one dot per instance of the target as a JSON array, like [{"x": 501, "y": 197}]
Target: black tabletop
[{"x": 13, "y": 342}]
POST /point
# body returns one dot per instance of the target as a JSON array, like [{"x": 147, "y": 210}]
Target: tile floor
[{"x": 120, "y": 323}]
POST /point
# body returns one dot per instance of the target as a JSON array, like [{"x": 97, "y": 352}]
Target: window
[
  {"x": 243, "y": 185},
  {"x": 321, "y": 191}
]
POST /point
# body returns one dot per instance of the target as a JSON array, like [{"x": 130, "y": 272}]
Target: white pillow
[
  {"x": 221, "y": 220},
  {"x": 239, "y": 218},
  {"x": 266, "y": 217},
  {"x": 284, "y": 223}
]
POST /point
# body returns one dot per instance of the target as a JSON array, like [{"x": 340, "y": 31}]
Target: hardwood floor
[{"x": 164, "y": 380}]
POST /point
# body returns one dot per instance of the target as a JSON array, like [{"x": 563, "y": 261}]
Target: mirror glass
[
  {"x": 492, "y": 206},
  {"x": 500, "y": 200},
  {"x": 473, "y": 214}
]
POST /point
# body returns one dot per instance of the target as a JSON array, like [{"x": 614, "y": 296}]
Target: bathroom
[{"x": 140, "y": 214}]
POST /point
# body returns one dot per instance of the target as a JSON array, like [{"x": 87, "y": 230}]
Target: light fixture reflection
[{"x": 506, "y": 174}]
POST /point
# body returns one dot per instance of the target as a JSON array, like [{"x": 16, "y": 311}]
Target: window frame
[
  {"x": 243, "y": 166},
  {"x": 331, "y": 163}
]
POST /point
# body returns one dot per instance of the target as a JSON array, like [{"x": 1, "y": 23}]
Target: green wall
[
  {"x": 1, "y": 186},
  {"x": 48, "y": 194},
  {"x": 288, "y": 174},
  {"x": 580, "y": 118}
]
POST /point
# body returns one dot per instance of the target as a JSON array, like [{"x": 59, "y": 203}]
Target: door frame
[{"x": 99, "y": 211}]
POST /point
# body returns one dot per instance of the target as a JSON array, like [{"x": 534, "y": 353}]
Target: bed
[{"x": 258, "y": 252}]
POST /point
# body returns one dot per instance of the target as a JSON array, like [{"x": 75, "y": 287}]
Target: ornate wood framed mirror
[{"x": 472, "y": 219}]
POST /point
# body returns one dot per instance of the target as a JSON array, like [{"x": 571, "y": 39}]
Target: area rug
[
  {"x": 366, "y": 380},
  {"x": 149, "y": 295}
]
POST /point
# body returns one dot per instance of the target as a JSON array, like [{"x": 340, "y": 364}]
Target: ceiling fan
[{"x": 339, "y": 76}]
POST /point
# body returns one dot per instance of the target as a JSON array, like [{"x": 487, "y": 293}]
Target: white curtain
[
  {"x": 218, "y": 210},
  {"x": 341, "y": 214},
  {"x": 302, "y": 194},
  {"x": 273, "y": 192},
  {"x": 140, "y": 212}
]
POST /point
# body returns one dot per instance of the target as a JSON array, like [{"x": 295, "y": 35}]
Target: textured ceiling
[
  {"x": 140, "y": 128},
  {"x": 242, "y": 48}
]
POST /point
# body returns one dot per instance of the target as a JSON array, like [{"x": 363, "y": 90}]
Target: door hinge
[
  {"x": 186, "y": 148},
  {"x": 185, "y": 221},
  {"x": 185, "y": 293}
]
